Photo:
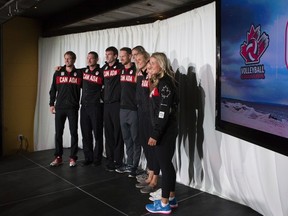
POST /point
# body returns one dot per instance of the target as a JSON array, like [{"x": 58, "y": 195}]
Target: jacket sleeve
[
  {"x": 103, "y": 86},
  {"x": 53, "y": 91},
  {"x": 165, "y": 106}
]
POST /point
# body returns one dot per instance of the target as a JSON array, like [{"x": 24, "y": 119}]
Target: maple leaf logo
[
  {"x": 165, "y": 92},
  {"x": 255, "y": 46}
]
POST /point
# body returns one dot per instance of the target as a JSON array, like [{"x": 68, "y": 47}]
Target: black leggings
[{"x": 164, "y": 150}]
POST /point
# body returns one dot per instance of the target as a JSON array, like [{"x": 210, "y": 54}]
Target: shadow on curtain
[{"x": 190, "y": 118}]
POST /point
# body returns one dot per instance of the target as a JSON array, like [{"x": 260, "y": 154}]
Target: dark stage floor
[{"x": 29, "y": 186}]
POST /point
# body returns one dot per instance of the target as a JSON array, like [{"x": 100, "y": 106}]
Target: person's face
[
  {"x": 154, "y": 67},
  {"x": 140, "y": 61},
  {"x": 69, "y": 62},
  {"x": 125, "y": 58},
  {"x": 110, "y": 57},
  {"x": 148, "y": 67},
  {"x": 91, "y": 60},
  {"x": 134, "y": 55}
]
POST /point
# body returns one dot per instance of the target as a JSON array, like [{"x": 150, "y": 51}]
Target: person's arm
[
  {"x": 101, "y": 70},
  {"x": 52, "y": 93}
]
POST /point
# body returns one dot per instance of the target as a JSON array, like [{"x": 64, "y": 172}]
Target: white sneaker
[
  {"x": 156, "y": 193},
  {"x": 56, "y": 162},
  {"x": 72, "y": 162},
  {"x": 142, "y": 177},
  {"x": 141, "y": 180}
]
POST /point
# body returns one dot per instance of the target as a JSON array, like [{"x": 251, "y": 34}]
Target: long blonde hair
[{"x": 165, "y": 69}]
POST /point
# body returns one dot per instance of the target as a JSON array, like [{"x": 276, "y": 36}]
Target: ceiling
[{"x": 59, "y": 17}]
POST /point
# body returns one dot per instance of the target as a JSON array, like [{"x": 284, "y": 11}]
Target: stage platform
[{"x": 29, "y": 186}]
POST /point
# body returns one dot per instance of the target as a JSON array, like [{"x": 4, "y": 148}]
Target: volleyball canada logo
[{"x": 251, "y": 51}]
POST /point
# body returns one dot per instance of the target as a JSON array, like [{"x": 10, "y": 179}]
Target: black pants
[
  {"x": 165, "y": 149},
  {"x": 114, "y": 144},
  {"x": 91, "y": 120},
  {"x": 60, "y": 117},
  {"x": 144, "y": 130}
]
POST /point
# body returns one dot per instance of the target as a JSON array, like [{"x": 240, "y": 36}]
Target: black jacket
[
  {"x": 142, "y": 92},
  {"x": 163, "y": 106},
  {"x": 128, "y": 88},
  {"x": 112, "y": 88},
  {"x": 65, "y": 89},
  {"x": 92, "y": 86}
]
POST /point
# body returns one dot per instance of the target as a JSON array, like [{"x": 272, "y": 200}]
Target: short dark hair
[
  {"x": 113, "y": 49},
  {"x": 126, "y": 49},
  {"x": 71, "y": 54},
  {"x": 95, "y": 54}
]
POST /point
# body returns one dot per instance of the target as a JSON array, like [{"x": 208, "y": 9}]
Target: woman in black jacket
[{"x": 163, "y": 110}]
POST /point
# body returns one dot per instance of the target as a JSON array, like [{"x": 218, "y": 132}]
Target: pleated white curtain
[{"x": 222, "y": 165}]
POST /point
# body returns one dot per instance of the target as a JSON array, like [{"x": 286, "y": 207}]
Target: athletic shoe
[
  {"x": 147, "y": 189},
  {"x": 143, "y": 176},
  {"x": 72, "y": 162},
  {"x": 173, "y": 203},
  {"x": 56, "y": 162},
  {"x": 156, "y": 193},
  {"x": 141, "y": 185},
  {"x": 140, "y": 171},
  {"x": 141, "y": 180},
  {"x": 157, "y": 207},
  {"x": 124, "y": 169},
  {"x": 132, "y": 174}
]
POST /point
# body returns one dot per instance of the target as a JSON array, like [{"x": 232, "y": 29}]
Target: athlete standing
[
  {"x": 163, "y": 110},
  {"x": 64, "y": 103},
  {"x": 91, "y": 112},
  {"x": 112, "y": 93}
]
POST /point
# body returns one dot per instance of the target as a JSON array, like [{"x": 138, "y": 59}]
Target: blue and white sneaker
[
  {"x": 156, "y": 207},
  {"x": 124, "y": 169},
  {"x": 173, "y": 203}
]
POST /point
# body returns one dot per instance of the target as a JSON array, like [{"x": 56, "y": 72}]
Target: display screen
[{"x": 252, "y": 71}]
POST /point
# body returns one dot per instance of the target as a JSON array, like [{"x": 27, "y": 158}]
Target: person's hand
[
  {"x": 152, "y": 142},
  {"x": 57, "y": 68},
  {"x": 52, "y": 109}
]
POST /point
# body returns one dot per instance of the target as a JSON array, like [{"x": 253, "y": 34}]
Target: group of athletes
[{"x": 135, "y": 101}]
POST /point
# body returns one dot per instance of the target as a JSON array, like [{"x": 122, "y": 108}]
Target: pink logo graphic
[{"x": 255, "y": 46}]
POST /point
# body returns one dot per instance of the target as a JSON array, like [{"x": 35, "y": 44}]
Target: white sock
[{"x": 163, "y": 204}]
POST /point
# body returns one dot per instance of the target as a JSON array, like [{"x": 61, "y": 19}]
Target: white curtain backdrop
[{"x": 218, "y": 163}]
